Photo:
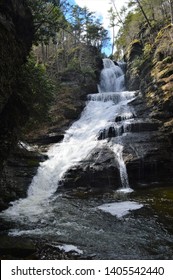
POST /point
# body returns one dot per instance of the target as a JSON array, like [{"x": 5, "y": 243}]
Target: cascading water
[
  {"x": 79, "y": 141},
  {"x": 112, "y": 77}
]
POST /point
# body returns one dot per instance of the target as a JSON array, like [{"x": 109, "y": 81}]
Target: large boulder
[{"x": 97, "y": 174}]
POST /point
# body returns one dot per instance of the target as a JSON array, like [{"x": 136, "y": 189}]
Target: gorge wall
[
  {"x": 150, "y": 68},
  {"x": 16, "y": 35}
]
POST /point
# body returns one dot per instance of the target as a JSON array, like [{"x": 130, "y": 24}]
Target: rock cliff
[
  {"x": 16, "y": 35},
  {"x": 150, "y": 68}
]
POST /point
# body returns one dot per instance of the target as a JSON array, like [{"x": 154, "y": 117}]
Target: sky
[{"x": 101, "y": 7}]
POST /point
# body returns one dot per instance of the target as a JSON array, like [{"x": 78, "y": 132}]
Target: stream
[{"x": 104, "y": 227}]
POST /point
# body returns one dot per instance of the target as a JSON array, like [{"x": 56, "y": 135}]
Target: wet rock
[
  {"x": 147, "y": 159},
  {"x": 98, "y": 173},
  {"x": 47, "y": 139},
  {"x": 141, "y": 126},
  {"x": 154, "y": 75},
  {"x": 17, "y": 175},
  {"x": 111, "y": 132},
  {"x": 16, "y": 248}
]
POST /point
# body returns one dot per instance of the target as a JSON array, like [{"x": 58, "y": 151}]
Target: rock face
[
  {"x": 153, "y": 67},
  {"x": 132, "y": 74},
  {"x": 17, "y": 174},
  {"x": 16, "y": 35},
  {"x": 99, "y": 173}
]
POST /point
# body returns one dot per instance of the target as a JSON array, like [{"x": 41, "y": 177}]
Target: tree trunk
[
  {"x": 43, "y": 52},
  {"x": 171, "y": 10},
  {"x": 113, "y": 36},
  {"x": 144, "y": 14},
  {"x": 117, "y": 13}
]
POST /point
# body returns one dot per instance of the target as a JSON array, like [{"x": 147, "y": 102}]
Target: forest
[{"x": 86, "y": 130}]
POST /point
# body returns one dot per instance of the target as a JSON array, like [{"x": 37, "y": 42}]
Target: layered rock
[
  {"x": 153, "y": 66},
  {"x": 18, "y": 171},
  {"x": 98, "y": 174}
]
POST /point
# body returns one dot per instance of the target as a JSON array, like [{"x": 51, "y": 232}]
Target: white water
[
  {"x": 112, "y": 77},
  {"x": 120, "y": 209},
  {"x": 79, "y": 142}
]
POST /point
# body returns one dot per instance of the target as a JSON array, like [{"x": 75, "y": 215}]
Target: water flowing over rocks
[
  {"x": 145, "y": 154},
  {"x": 98, "y": 174},
  {"x": 145, "y": 150}
]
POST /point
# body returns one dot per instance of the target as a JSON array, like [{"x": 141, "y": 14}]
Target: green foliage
[
  {"x": 147, "y": 49},
  {"x": 74, "y": 64},
  {"x": 48, "y": 19},
  {"x": 143, "y": 17},
  {"x": 87, "y": 28},
  {"x": 137, "y": 63},
  {"x": 36, "y": 91},
  {"x": 129, "y": 31}
]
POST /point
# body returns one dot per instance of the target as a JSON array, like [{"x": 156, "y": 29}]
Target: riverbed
[{"x": 114, "y": 225}]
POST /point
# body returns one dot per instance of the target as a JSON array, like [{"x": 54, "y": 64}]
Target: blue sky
[{"x": 100, "y": 7}]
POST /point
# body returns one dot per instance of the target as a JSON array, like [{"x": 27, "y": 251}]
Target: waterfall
[
  {"x": 111, "y": 78},
  {"x": 80, "y": 140},
  {"x": 118, "y": 151}
]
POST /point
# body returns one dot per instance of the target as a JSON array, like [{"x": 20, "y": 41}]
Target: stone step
[
  {"x": 121, "y": 118},
  {"x": 126, "y": 127},
  {"x": 141, "y": 126}
]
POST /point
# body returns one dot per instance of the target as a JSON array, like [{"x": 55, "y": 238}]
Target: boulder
[{"x": 99, "y": 173}]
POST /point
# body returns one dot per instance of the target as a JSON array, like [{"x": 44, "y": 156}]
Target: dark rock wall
[{"x": 16, "y": 35}]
